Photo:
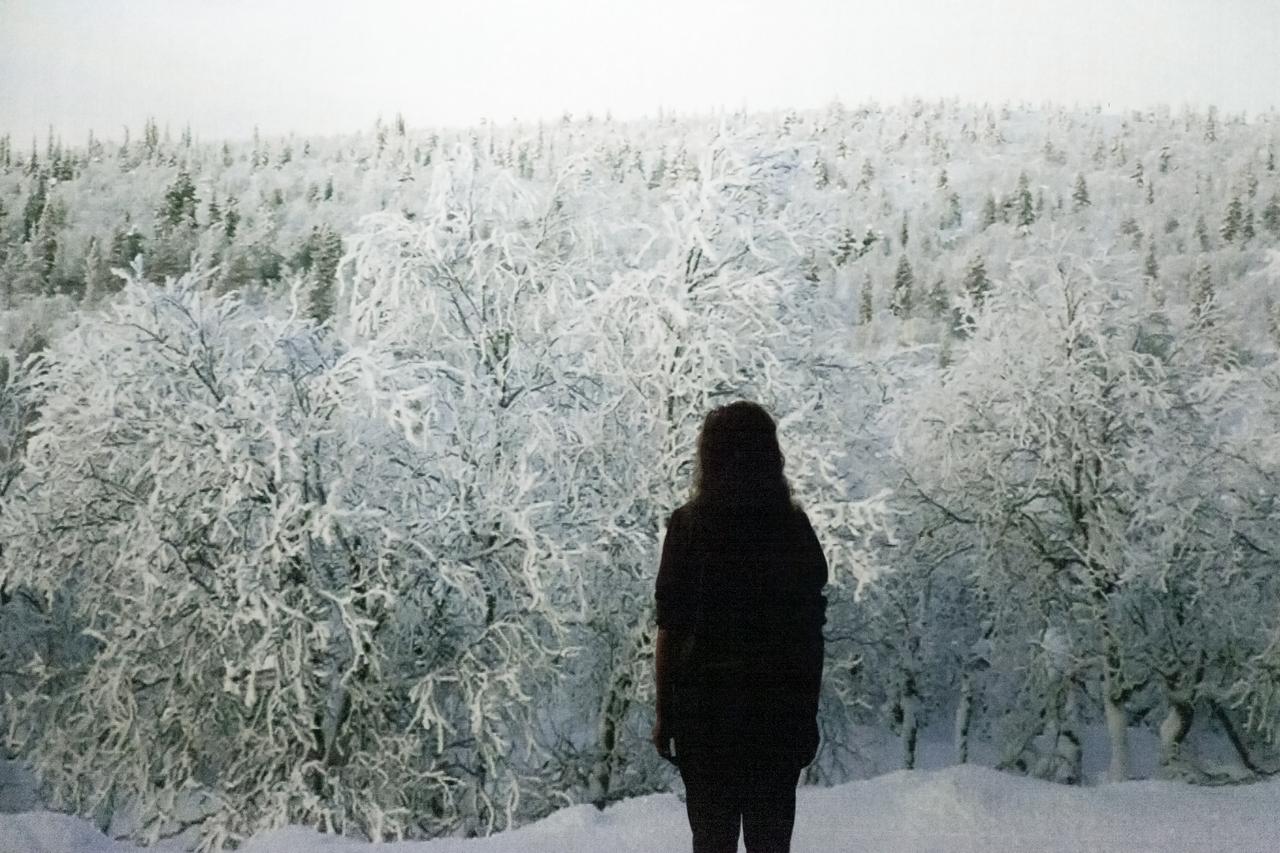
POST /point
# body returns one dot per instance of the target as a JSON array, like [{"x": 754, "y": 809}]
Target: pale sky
[{"x": 322, "y": 66}]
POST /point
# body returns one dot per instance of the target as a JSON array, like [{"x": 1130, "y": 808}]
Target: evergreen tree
[
  {"x": 1026, "y": 204},
  {"x": 869, "y": 239},
  {"x": 867, "y": 176},
  {"x": 939, "y": 300},
  {"x": 1138, "y": 176},
  {"x": 864, "y": 303},
  {"x": 845, "y": 246},
  {"x": 1202, "y": 289},
  {"x": 1151, "y": 268},
  {"x": 231, "y": 219},
  {"x": 953, "y": 217},
  {"x": 990, "y": 211},
  {"x": 1202, "y": 234},
  {"x": 178, "y": 208},
  {"x": 34, "y": 207},
  {"x": 1271, "y": 216},
  {"x": 1151, "y": 192},
  {"x": 151, "y": 137},
  {"x": 904, "y": 234},
  {"x": 903, "y": 282},
  {"x": 659, "y": 172},
  {"x": 1247, "y": 229},
  {"x": 94, "y": 278},
  {"x": 1233, "y": 220},
  {"x": 42, "y": 249},
  {"x": 976, "y": 282},
  {"x": 1080, "y": 195},
  {"x": 126, "y": 244},
  {"x": 821, "y": 177},
  {"x": 1165, "y": 157}
]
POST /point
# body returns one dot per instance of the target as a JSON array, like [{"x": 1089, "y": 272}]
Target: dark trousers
[{"x": 727, "y": 792}]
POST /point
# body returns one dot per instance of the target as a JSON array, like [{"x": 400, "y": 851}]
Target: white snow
[{"x": 956, "y": 809}]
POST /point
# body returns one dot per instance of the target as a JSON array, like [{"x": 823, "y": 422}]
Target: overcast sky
[{"x": 323, "y": 66}]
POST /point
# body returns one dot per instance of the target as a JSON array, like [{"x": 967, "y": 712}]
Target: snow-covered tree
[{"x": 1069, "y": 439}]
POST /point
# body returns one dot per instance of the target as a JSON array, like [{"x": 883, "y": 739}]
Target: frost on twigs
[{"x": 254, "y": 590}]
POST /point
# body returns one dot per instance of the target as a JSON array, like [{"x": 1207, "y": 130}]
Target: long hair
[{"x": 738, "y": 464}]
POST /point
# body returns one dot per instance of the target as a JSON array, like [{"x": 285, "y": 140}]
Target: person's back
[{"x": 740, "y": 612}]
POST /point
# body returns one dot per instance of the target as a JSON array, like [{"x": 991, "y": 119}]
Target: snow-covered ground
[{"x": 955, "y": 809}]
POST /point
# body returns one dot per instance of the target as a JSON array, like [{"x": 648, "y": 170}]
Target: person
[{"x": 738, "y": 657}]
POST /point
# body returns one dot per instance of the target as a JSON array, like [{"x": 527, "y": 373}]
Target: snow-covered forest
[{"x": 333, "y": 471}]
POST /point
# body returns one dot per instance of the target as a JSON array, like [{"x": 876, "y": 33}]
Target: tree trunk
[
  {"x": 611, "y": 716},
  {"x": 1117, "y": 725},
  {"x": 964, "y": 714},
  {"x": 1068, "y": 750},
  {"x": 910, "y": 704},
  {"x": 1173, "y": 730}
]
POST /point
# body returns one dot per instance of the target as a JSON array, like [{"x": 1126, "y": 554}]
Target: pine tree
[
  {"x": 904, "y": 234},
  {"x": 178, "y": 208},
  {"x": 1138, "y": 175},
  {"x": 1233, "y": 220},
  {"x": 93, "y": 277},
  {"x": 869, "y": 239},
  {"x": 1202, "y": 290},
  {"x": 126, "y": 244},
  {"x": 1271, "y": 216},
  {"x": 864, "y": 302},
  {"x": 34, "y": 207},
  {"x": 1165, "y": 157},
  {"x": 953, "y": 217},
  {"x": 43, "y": 247},
  {"x": 1202, "y": 234},
  {"x": 1151, "y": 192},
  {"x": 990, "y": 211},
  {"x": 1211, "y": 125},
  {"x": 1151, "y": 269},
  {"x": 659, "y": 172},
  {"x": 844, "y": 246},
  {"x": 976, "y": 283},
  {"x": 821, "y": 177},
  {"x": 867, "y": 176},
  {"x": 1247, "y": 229},
  {"x": 1080, "y": 195},
  {"x": 939, "y": 300},
  {"x": 1026, "y": 204},
  {"x": 230, "y": 219},
  {"x": 903, "y": 281},
  {"x": 943, "y": 179}
]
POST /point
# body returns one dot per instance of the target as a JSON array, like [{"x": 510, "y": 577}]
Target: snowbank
[{"x": 956, "y": 809}]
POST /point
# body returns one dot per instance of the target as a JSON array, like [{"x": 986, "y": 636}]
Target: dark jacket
[{"x": 750, "y": 682}]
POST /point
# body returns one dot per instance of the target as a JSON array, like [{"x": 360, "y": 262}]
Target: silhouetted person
[{"x": 738, "y": 660}]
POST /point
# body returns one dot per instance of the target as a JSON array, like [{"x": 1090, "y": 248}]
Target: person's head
[{"x": 738, "y": 461}]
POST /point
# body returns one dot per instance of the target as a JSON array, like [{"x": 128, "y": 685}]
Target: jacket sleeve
[{"x": 675, "y": 594}]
